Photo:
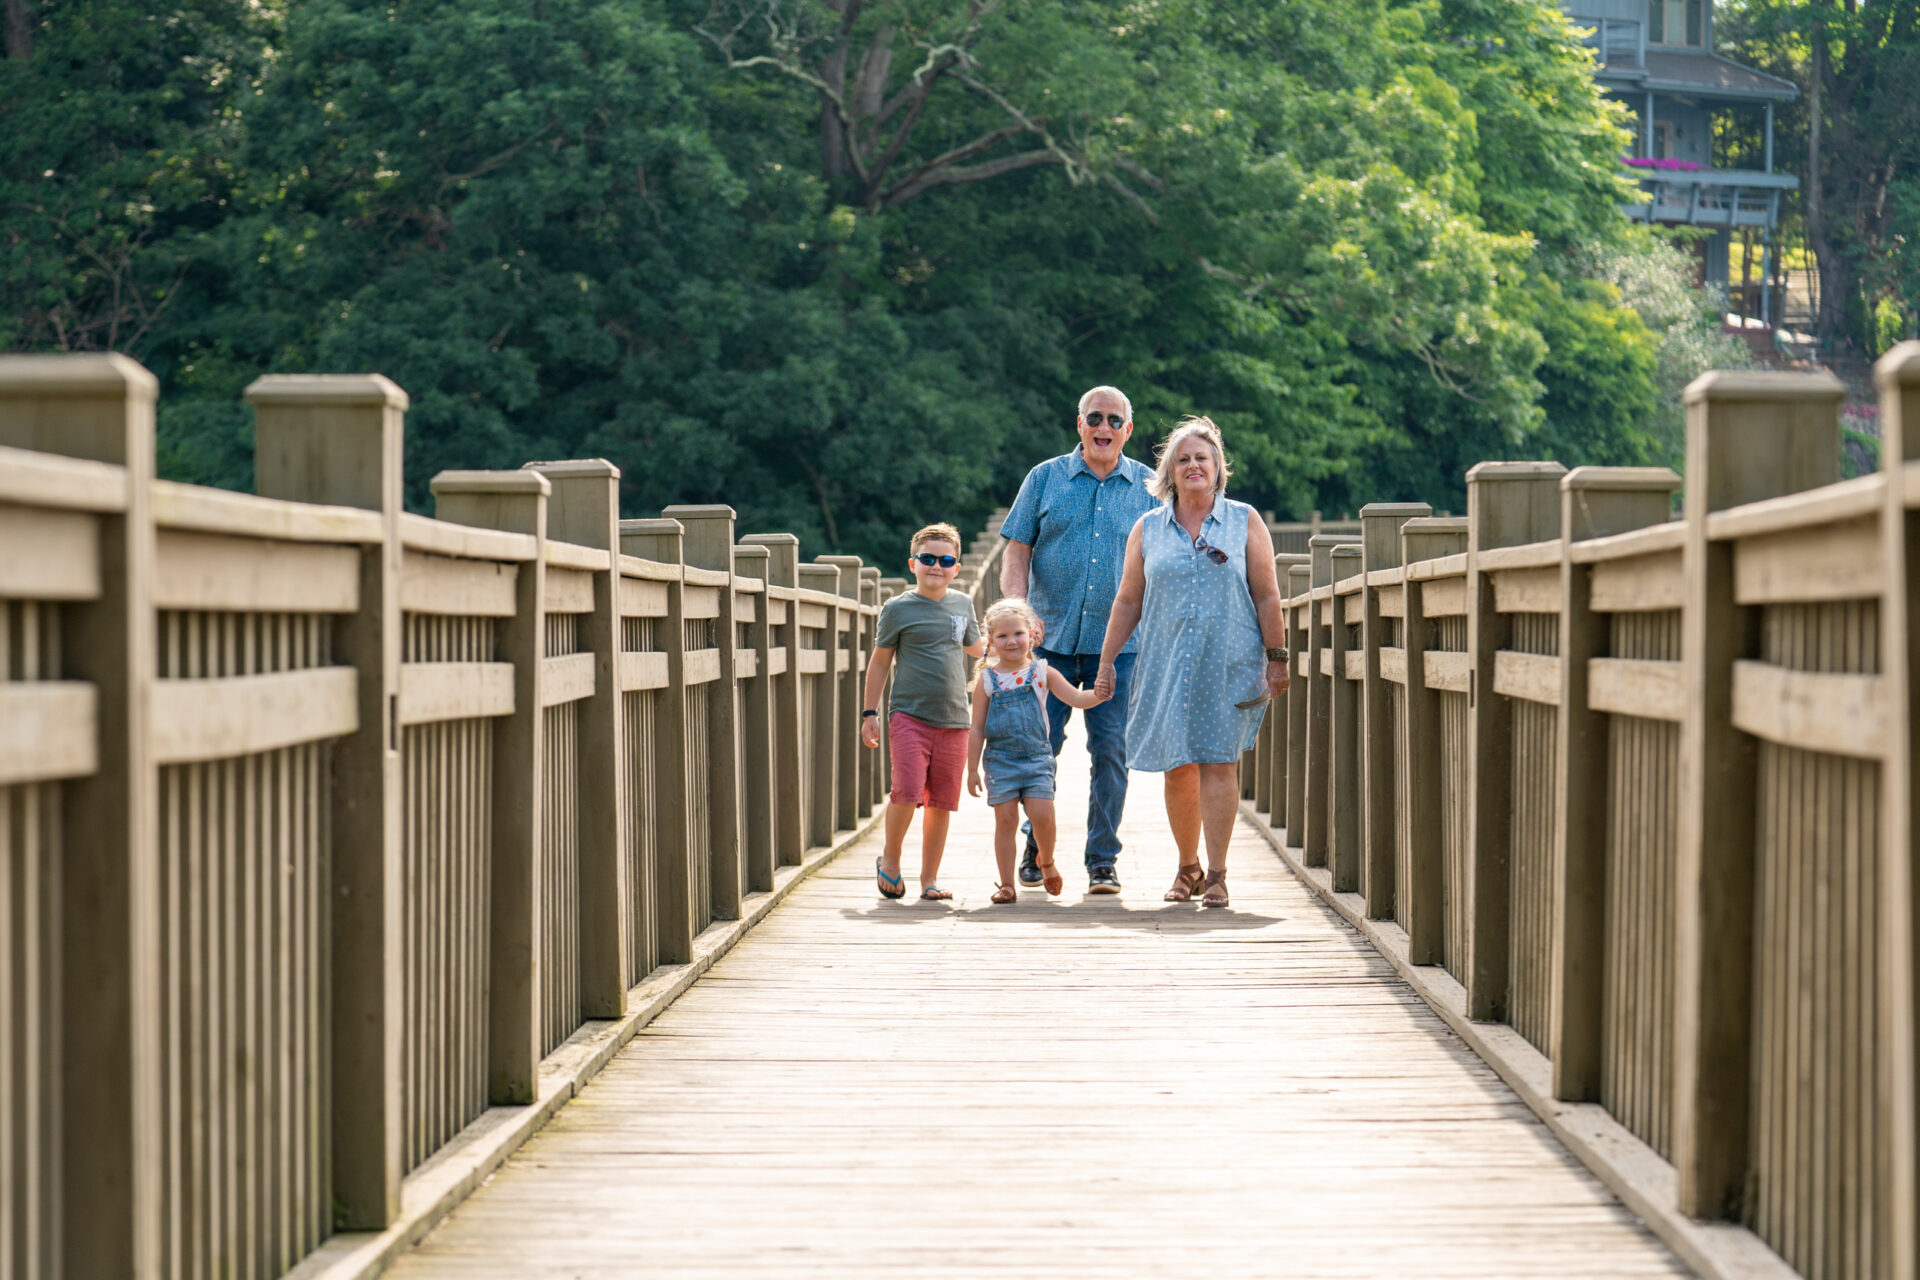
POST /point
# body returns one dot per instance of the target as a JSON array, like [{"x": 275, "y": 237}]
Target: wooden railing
[
  {"x": 1641, "y": 789},
  {"x": 327, "y": 830}
]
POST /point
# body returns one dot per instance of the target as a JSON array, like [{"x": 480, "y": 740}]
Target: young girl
[{"x": 1010, "y": 723}]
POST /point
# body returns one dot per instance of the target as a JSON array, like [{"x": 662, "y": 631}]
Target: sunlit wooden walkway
[{"x": 1088, "y": 1086}]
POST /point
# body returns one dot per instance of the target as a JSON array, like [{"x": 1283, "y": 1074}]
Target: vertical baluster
[
  {"x": 1319, "y": 790},
  {"x": 1296, "y": 585},
  {"x": 789, "y": 796},
  {"x": 673, "y": 918},
  {"x": 824, "y": 749},
  {"x": 846, "y": 679},
  {"x": 1380, "y": 525},
  {"x": 759, "y": 800},
  {"x": 1422, "y": 737},
  {"x": 709, "y": 546}
]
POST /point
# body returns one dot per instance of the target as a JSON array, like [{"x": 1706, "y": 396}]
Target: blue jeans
[{"x": 1106, "y": 743}]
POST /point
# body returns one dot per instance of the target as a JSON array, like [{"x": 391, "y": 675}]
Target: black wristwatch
[
  {"x": 1276, "y": 655},
  {"x": 868, "y": 712}
]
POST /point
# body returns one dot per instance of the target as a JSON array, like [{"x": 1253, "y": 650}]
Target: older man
[{"x": 1066, "y": 540}]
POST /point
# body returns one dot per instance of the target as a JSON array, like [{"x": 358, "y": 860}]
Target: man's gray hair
[
  {"x": 1163, "y": 486},
  {"x": 1107, "y": 391}
]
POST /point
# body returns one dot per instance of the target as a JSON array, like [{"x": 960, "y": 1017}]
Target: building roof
[{"x": 1705, "y": 75}]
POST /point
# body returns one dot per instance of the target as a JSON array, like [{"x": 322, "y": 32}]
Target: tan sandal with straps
[
  {"x": 1003, "y": 894},
  {"x": 1216, "y": 895},
  {"x": 1186, "y": 882}
]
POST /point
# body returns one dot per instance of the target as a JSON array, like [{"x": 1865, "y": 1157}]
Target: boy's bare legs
[
  {"x": 933, "y": 841},
  {"x": 899, "y": 818},
  {"x": 1006, "y": 827}
]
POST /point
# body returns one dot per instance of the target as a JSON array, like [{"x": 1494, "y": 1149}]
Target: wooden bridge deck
[{"x": 1081, "y": 1087}]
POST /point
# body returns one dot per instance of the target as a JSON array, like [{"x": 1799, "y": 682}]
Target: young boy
[{"x": 932, "y": 633}]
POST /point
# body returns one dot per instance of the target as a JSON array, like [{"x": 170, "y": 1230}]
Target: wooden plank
[
  {"x": 700, "y": 603},
  {"x": 1393, "y": 664},
  {"x": 777, "y": 661},
  {"x": 648, "y": 570},
  {"x": 212, "y": 571},
  {"x": 1636, "y": 687},
  {"x": 1532, "y": 677},
  {"x": 1841, "y": 503},
  {"x": 435, "y": 691},
  {"x": 198, "y": 509},
  {"x": 46, "y": 480},
  {"x": 1445, "y": 598},
  {"x": 217, "y": 719},
  {"x": 1532, "y": 555},
  {"x": 1641, "y": 584},
  {"x": 574, "y": 558},
  {"x": 813, "y": 615},
  {"x": 1393, "y": 600},
  {"x": 468, "y": 542},
  {"x": 1353, "y": 607},
  {"x": 746, "y": 664},
  {"x": 639, "y": 671},
  {"x": 1841, "y": 713},
  {"x": 813, "y": 662},
  {"x": 1300, "y": 661},
  {"x": 48, "y": 729},
  {"x": 745, "y": 608},
  {"x": 698, "y": 577},
  {"x": 1632, "y": 545},
  {"x": 1834, "y": 562},
  {"x": 50, "y": 554},
  {"x": 1447, "y": 566},
  {"x": 1527, "y": 590},
  {"x": 568, "y": 591},
  {"x": 703, "y": 666},
  {"x": 1326, "y": 661},
  {"x": 567, "y": 678},
  {"x": 1445, "y": 671},
  {"x": 642, "y": 598},
  {"x": 1354, "y": 664},
  {"x": 444, "y": 586}
]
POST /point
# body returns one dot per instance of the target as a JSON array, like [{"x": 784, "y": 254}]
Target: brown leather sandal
[
  {"x": 1216, "y": 890},
  {"x": 1186, "y": 882},
  {"x": 1003, "y": 894},
  {"x": 1051, "y": 878}
]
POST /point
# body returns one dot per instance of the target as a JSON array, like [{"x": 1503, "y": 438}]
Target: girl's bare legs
[
  {"x": 1040, "y": 814},
  {"x": 933, "y": 841},
  {"x": 1006, "y": 831}
]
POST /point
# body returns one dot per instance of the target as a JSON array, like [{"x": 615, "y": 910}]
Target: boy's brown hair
[{"x": 932, "y": 533}]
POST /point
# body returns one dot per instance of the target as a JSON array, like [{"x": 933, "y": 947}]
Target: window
[
  {"x": 1677, "y": 22},
  {"x": 1663, "y": 140}
]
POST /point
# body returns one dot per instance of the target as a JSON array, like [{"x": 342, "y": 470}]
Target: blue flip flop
[{"x": 890, "y": 886}]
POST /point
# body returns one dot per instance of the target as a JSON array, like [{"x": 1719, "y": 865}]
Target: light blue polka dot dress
[{"x": 1200, "y": 649}]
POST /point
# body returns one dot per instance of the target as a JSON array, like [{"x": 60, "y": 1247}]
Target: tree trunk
[
  {"x": 20, "y": 22},
  {"x": 1826, "y": 262}
]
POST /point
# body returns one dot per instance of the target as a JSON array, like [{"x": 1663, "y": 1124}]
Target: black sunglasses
[
  {"x": 1210, "y": 551},
  {"x": 1114, "y": 420},
  {"x": 928, "y": 559}
]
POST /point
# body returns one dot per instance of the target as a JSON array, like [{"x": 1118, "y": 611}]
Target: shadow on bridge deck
[{"x": 1087, "y": 1086}]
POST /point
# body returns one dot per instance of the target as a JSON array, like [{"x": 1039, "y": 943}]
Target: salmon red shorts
[{"x": 927, "y": 762}]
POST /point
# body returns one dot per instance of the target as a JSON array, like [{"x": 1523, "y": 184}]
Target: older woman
[{"x": 1199, "y": 584}]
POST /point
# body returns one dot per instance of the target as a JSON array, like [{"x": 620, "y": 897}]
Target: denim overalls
[{"x": 1018, "y": 760}]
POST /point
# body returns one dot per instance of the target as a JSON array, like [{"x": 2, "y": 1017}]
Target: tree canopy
[{"x": 848, "y": 264}]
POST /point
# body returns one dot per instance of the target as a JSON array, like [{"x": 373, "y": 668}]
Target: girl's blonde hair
[
  {"x": 1162, "y": 485},
  {"x": 1007, "y": 607}
]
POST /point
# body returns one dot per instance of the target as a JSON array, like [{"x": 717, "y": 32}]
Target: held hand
[
  {"x": 1104, "y": 682},
  {"x": 870, "y": 730},
  {"x": 973, "y": 782}
]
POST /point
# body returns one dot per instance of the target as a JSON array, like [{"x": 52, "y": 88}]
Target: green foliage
[{"x": 849, "y": 266}]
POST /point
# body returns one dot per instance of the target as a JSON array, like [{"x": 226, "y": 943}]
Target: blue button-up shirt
[{"x": 1077, "y": 525}]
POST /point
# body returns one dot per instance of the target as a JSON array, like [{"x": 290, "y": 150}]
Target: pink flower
[{"x": 1650, "y": 162}]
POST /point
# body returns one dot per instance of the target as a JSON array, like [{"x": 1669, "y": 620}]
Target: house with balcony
[{"x": 1657, "y": 57}]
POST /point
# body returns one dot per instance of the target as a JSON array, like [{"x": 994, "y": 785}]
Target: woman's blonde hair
[
  {"x": 1007, "y": 607},
  {"x": 1162, "y": 485}
]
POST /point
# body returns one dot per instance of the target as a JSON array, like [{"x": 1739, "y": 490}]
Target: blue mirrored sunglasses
[{"x": 929, "y": 559}]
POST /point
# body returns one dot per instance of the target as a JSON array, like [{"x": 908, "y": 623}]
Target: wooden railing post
[
  {"x": 1299, "y": 647},
  {"x": 100, "y": 408},
  {"x": 1421, "y": 877},
  {"x": 847, "y": 670},
  {"x": 1319, "y": 784},
  {"x": 1749, "y": 436},
  {"x": 1898, "y": 376},
  {"x": 868, "y": 792},
  {"x": 789, "y": 790},
  {"x": 823, "y": 752},
  {"x": 673, "y": 912},
  {"x": 338, "y": 440},
  {"x": 1509, "y": 504},
  {"x": 584, "y": 509},
  {"x": 515, "y": 501},
  {"x": 1595, "y": 503},
  {"x": 883, "y": 780},
  {"x": 1278, "y": 715},
  {"x": 709, "y": 545},
  {"x": 1345, "y": 811},
  {"x": 756, "y": 730},
  {"x": 1380, "y": 525}
]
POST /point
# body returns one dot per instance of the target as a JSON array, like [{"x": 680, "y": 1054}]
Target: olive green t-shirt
[{"x": 929, "y": 666}]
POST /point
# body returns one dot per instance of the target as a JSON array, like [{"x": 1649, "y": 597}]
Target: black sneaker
[
  {"x": 1103, "y": 880},
  {"x": 1030, "y": 864}
]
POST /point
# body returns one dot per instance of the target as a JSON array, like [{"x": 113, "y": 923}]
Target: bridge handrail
[
  {"x": 1642, "y": 789},
  {"x": 337, "y": 826}
]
